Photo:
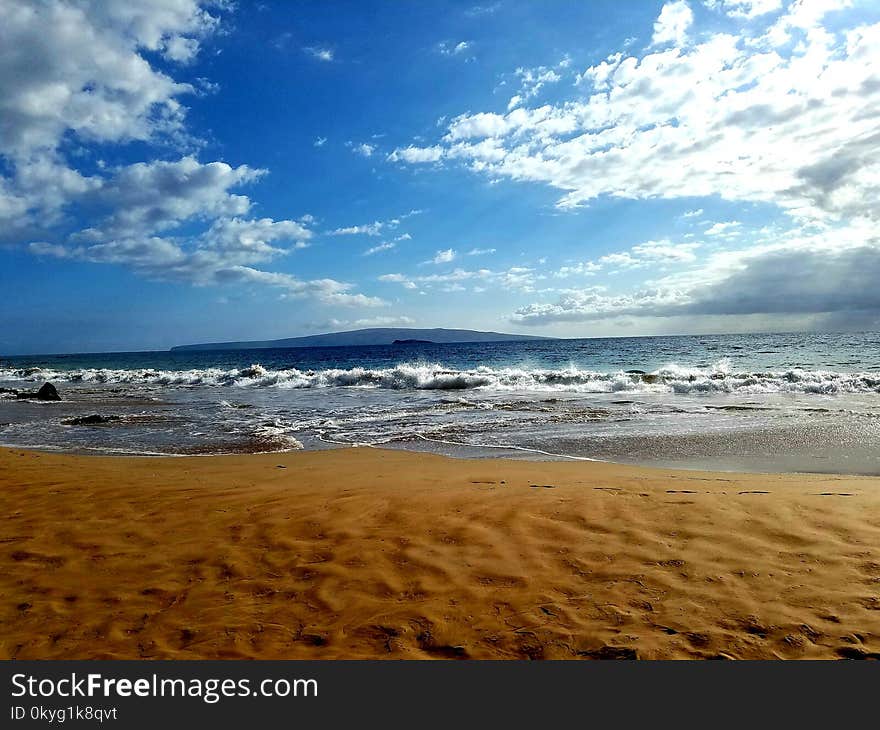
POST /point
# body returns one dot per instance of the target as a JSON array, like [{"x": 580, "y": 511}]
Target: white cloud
[
  {"x": 480, "y": 251},
  {"x": 734, "y": 116},
  {"x": 532, "y": 80},
  {"x": 376, "y": 227},
  {"x": 795, "y": 277},
  {"x": 593, "y": 304},
  {"x": 653, "y": 253},
  {"x": 320, "y": 141},
  {"x": 481, "y": 10},
  {"x": 413, "y": 154},
  {"x": 520, "y": 278},
  {"x": 76, "y": 74},
  {"x": 695, "y": 213},
  {"x": 450, "y": 48},
  {"x": 321, "y": 54},
  {"x": 812, "y": 271},
  {"x": 443, "y": 257},
  {"x": 366, "y": 229},
  {"x": 582, "y": 268},
  {"x": 747, "y": 9},
  {"x": 181, "y": 49},
  {"x": 399, "y": 321},
  {"x": 151, "y": 197},
  {"x": 722, "y": 228},
  {"x": 223, "y": 254},
  {"x": 253, "y": 239},
  {"x": 364, "y": 149},
  {"x": 77, "y": 67},
  {"x": 672, "y": 24},
  {"x": 387, "y": 246},
  {"x": 390, "y": 321}
]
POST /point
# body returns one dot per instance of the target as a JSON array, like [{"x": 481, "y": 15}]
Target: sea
[{"x": 761, "y": 402}]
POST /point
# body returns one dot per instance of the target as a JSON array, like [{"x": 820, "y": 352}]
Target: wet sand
[{"x": 367, "y": 553}]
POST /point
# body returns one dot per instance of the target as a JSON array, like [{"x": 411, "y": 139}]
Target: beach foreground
[{"x": 366, "y": 553}]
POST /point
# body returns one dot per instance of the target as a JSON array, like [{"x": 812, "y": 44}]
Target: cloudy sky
[{"x": 175, "y": 171}]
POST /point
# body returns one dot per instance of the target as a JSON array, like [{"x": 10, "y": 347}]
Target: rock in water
[
  {"x": 48, "y": 392},
  {"x": 94, "y": 420}
]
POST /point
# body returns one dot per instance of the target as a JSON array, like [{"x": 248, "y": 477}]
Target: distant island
[{"x": 371, "y": 336}]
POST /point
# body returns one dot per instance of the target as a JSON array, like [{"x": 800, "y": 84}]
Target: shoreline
[
  {"x": 554, "y": 458},
  {"x": 378, "y": 553}
]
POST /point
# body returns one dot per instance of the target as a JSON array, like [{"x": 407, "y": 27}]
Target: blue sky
[{"x": 186, "y": 171}]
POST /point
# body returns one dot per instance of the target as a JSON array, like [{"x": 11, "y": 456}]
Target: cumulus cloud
[
  {"x": 221, "y": 256},
  {"x": 443, "y": 257},
  {"x": 78, "y": 67},
  {"x": 782, "y": 111},
  {"x": 364, "y": 149},
  {"x": 781, "y": 108},
  {"x": 672, "y": 24},
  {"x": 155, "y": 196},
  {"x": 595, "y": 303},
  {"x": 744, "y": 8},
  {"x": 827, "y": 272},
  {"x": 77, "y": 74}
]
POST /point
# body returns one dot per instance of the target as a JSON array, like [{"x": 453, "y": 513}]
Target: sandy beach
[{"x": 368, "y": 553}]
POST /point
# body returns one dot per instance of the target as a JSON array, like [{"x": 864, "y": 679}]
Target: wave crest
[{"x": 672, "y": 378}]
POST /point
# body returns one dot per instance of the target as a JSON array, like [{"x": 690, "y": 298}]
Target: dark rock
[
  {"x": 636, "y": 372},
  {"x": 93, "y": 420},
  {"x": 46, "y": 392}
]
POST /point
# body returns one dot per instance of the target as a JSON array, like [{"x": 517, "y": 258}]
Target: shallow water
[{"x": 777, "y": 402}]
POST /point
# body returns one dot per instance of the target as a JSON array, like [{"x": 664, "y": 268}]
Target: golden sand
[{"x": 364, "y": 553}]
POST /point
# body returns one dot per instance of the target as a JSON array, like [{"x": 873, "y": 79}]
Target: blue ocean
[{"x": 762, "y": 402}]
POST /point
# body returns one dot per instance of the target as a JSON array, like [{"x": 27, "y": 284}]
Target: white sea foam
[{"x": 671, "y": 378}]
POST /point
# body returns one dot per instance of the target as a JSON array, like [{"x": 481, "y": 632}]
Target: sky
[{"x": 175, "y": 171}]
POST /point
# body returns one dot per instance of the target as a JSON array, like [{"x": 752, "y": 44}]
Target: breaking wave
[{"x": 423, "y": 376}]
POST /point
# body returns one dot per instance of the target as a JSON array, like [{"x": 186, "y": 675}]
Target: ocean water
[{"x": 765, "y": 402}]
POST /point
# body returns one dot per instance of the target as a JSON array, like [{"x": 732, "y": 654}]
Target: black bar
[{"x": 454, "y": 694}]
